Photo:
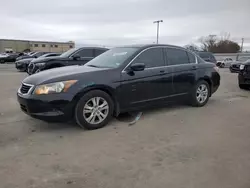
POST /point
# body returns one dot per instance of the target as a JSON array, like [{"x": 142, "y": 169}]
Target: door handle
[
  {"x": 194, "y": 67},
  {"x": 162, "y": 71}
]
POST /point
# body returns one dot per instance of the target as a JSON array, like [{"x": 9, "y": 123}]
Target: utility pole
[
  {"x": 242, "y": 42},
  {"x": 158, "y": 25}
]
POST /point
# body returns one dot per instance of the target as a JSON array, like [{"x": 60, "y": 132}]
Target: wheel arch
[
  {"x": 110, "y": 91},
  {"x": 209, "y": 81}
]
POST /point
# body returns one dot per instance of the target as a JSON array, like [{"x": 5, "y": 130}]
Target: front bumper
[
  {"x": 33, "y": 68},
  {"x": 244, "y": 78},
  {"x": 234, "y": 69},
  {"x": 54, "y": 107},
  {"x": 22, "y": 66}
]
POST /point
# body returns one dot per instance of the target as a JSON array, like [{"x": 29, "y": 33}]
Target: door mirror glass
[{"x": 137, "y": 67}]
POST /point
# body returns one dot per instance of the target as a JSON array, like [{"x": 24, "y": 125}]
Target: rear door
[
  {"x": 184, "y": 66},
  {"x": 149, "y": 85}
]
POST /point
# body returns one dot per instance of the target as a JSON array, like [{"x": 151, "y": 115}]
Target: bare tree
[
  {"x": 192, "y": 47},
  {"x": 221, "y": 44}
]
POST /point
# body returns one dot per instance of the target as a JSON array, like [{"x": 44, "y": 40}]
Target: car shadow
[
  {"x": 42, "y": 126},
  {"x": 71, "y": 126}
]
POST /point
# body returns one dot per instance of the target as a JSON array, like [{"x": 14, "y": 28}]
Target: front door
[
  {"x": 184, "y": 67},
  {"x": 82, "y": 56},
  {"x": 150, "y": 85}
]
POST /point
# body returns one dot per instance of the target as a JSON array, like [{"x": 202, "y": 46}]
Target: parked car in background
[
  {"x": 31, "y": 55},
  {"x": 235, "y": 66},
  {"x": 207, "y": 56},
  {"x": 22, "y": 64},
  {"x": 120, "y": 80},
  {"x": 9, "y": 57},
  {"x": 244, "y": 75},
  {"x": 76, "y": 56},
  {"x": 225, "y": 63}
]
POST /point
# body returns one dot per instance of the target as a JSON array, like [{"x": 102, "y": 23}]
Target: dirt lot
[{"x": 172, "y": 147}]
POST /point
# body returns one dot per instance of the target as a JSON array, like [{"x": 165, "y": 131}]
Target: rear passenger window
[
  {"x": 151, "y": 58},
  {"x": 191, "y": 58},
  {"x": 177, "y": 56}
]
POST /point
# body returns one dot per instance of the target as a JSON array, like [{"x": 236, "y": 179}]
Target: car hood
[
  {"x": 246, "y": 62},
  {"x": 25, "y": 60},
  {"x": 23, "y": 57},
  {"x": 46, "y": 59},
  {"x": 61, "y": 74}
]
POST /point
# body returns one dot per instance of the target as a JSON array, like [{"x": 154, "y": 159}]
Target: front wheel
[
  {"x": 222, "y": 65},
  {"x": 200, "y": 94},
  {"x": 94, "y": 110}
]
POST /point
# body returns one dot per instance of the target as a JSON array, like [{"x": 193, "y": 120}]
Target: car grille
[
  {"x": 30, "y": 67},
  {"x": 236, "y": 66},
  {"x": 25, "y": 88}
]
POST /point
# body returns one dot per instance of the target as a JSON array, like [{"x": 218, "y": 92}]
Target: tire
[
  {"x": 222, "y": 65},
  {"x": 202, "y": 99},
  {"x": 84, "y": 120},
  {"x": 242, "y": 86},
  {"x": 2, "y": 61}
]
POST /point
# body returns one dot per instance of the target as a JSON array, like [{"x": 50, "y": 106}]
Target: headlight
[
  {"x": 242, "y": 67},
  {"x": 40, "y": 64},
  {"x": 57, "y": 87}
]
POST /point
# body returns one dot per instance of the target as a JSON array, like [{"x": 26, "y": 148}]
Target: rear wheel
[
  {"x": 94, "y": 110},
  {"x": 200, "y": 94}
]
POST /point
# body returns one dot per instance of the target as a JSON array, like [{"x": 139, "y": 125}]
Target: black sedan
[
  {"x": 76, "y": 56},
  {"x": 120, "y": 80},
  {"x": 9, "y": 57},
  {"x": 244, "y": 75},
  {"x": 22, "y": 64}
]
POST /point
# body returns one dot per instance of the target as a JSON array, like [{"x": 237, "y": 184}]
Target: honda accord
[{"x": 120, "y": 80}]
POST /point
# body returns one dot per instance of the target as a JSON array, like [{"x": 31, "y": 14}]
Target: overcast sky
[{"x": 118, "y": 22}]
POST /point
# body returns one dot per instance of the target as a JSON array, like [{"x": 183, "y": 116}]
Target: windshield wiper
[{"x": 94, "y": 66}]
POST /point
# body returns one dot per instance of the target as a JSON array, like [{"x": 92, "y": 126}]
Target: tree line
[{"x": 215, "y": 44}]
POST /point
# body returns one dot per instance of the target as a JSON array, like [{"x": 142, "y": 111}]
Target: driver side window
[
  {"x": 85, "y": 53},
  {"x": 151, "y": 58}
]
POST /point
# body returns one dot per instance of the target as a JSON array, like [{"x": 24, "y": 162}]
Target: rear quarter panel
[{"x": 207, "y": 72}]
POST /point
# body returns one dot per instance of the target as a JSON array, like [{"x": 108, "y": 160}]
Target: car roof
[
  {"x": 144, "y": 46},
  {"x": 94, "y": 47}
]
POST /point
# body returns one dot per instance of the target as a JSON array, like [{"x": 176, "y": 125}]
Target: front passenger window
[{"x": 151, "y": 58}]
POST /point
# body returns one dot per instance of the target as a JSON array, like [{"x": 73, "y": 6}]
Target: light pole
[{"x": 158, "y": 25}]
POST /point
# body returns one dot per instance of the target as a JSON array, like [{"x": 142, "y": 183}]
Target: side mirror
[
  {"x": 137, "y": 67},
  {"x": 76, "y": 57}
]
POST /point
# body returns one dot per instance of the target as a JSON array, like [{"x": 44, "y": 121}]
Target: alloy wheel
[
  {"x": 96, "y": 110},
  {"x": 202, "y": 93}
]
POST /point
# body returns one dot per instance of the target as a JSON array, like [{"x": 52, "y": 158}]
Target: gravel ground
[{"x": 175, "y": 146}]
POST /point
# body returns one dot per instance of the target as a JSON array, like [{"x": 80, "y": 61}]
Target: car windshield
[
  {"x": 112, "y": 58},
  {"x": 68, "y": 53}
]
